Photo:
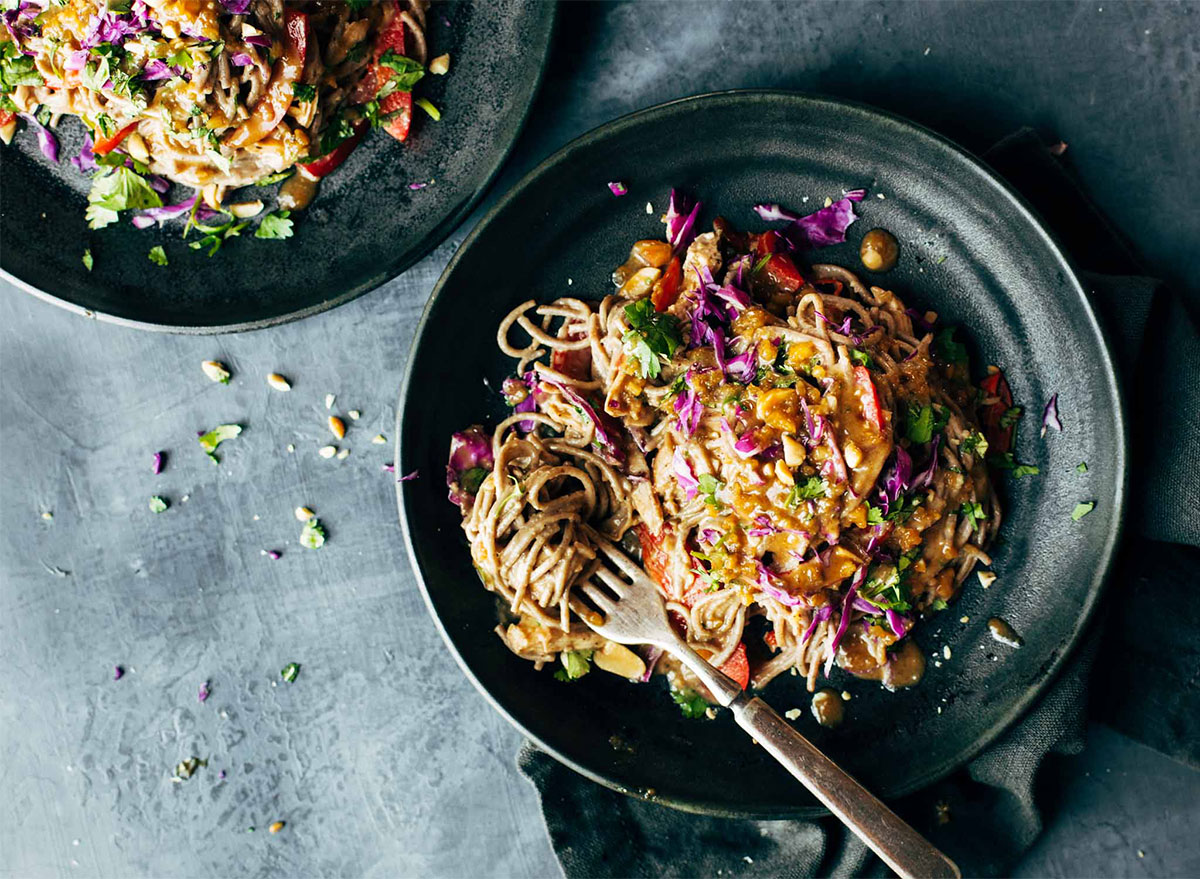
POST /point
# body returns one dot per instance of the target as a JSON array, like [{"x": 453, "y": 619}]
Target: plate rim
[
  {"x": 436, "y": 236},
  {"x": 1101, "y": 570}
]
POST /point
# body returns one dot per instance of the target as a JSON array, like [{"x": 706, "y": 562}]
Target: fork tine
[
  {"x": 615, "y": 583},
  {"x": 599, "y": 597},
  {"x": 618, "y": 558}
]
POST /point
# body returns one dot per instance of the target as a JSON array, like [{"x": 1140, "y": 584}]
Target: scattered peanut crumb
[
  {"x": 276, "y": 827},
  {"x": 846, "y": 697},
  {"x": 986, "y": 578},
  {"x": 828, "y": 201},
  {"x": 710, "y": 713},
  {"x": 329, "y": 398},
  {"x": 337, "y": 427},
  {"x": 327, "y": 451},
  {"x": 649, "y": 208},
  {"x": 964, "y": 619},
  {"x": 303, "y": 514},
  {"x": 343, "y": 454},
  {"x": 216, "y": 371},
  {"x": 379, "y": 439},
  {"x": 48, "y": 516},
  {"x": 793, "y": 713},
  {"x": 354, "y": 414},
  {"x": 946, "y": 651},
  {"x": 291, "y": 447},
  {"x": 278, "y": 382},
  {"x": 440, "y": 65}
]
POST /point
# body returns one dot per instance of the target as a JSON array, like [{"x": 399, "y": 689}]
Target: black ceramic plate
[
  {"x": 365, "y": 227},
  {"x": 970, "y": 251}
]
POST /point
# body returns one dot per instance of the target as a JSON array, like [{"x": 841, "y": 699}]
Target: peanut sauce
[
  {"x": 1004, "y": 633},
  {"x": 827, "y": 708},
  {"x": 298, "y": 191}
]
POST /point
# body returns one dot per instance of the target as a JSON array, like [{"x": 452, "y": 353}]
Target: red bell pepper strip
[
  {"x": 870, "y": 397},
  {"x": 998, "y": 436},
  {"x": 271, "y": 107},
  {"x": 737, "y": 666},
  {"x": 400, "y": 104},
  {"x": 105, "y": 145},
  {"x": 324, "y": 165},
  {"x": 666, "y": 288},
  {"x": 781, "y": 273},
  {"x": 575, "y": 362}
]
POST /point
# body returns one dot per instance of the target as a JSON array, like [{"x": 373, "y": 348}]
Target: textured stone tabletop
[{"x": 379, "y": 757}]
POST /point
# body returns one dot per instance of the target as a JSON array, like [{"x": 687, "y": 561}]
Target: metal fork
[{"x": 632, "y": 612}]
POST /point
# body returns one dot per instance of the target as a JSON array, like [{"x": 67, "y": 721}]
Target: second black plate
[
  {"x": 970, "y": 251},
  {"x": 364, "y": 228}
]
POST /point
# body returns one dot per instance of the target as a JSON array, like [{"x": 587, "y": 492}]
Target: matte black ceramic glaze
[
  {"x": 364, "y": 228},
  {"x": 969, "y": 250}
]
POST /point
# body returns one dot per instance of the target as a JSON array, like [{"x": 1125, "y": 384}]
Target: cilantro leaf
[
  {"x": 651, "y": 335},
  {"x": 886, "y": 589},
  {"x": 691, "y": 703},
  {"x": 1006, "y": 461},
  {"x": 940, "y": 604},
  {"x": 947, "y": 349},
  {"x": 709, "y": 486},
  {"x": 16, "y": 68},
  {"x": 158, "y": 256},
  {"x": 87, "y": 260},
  {"x": 575, "y": 664},
  {"x": 973, "y": 510},
  {"x": 209, "y": 441},
  {"x": 812, "y": 488},
  {"x": 472, "y": 479},
  {"x": 312, "y": 535},
  {"x": 122, "y": 189},
  {"x": 973, "y": 444},
  {"x": 1082, "y": 509},
  {"x": 862, "y": 358},
  {"x": 406, "y": 73},
  {"x": 1010, "y": 416},
  {"x": 290, "y": 671},
  {"x": 275, "y": 225},
  {"x": 1081, "y": 467},
  {"x": 922, "y": 422},
  {"x": 303, "y": 92}
]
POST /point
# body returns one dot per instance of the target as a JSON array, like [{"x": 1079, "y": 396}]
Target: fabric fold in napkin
[{"x": 993, "y": 805}]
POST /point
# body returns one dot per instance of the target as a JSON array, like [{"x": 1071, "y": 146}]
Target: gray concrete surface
[{"x": 380, "y": 757}]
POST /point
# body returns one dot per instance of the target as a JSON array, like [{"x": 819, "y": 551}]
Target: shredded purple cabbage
[
  {"x": 1050, "y": 415},
  {"x": 826, "y": 226},
  {"x": 689, "y": 408},
  {"x": 236, "y": 7},
  {"x": 469, "y": 449},
  {"x": 896, "y": 480},
  {"x": 823, "y": 613},
  {"x": 764, "y": 585},
  {"x": 46, "y": 141},
  {"x": 601, "y": 425},
  {"x": 260, "y": 40},
  {"x": 683, "y": 472},
  {"x": 86, "y": 160},
  {"x": 241, "y": 59},
  {"x": 773, "y": 213},
  {"x": 149, "y": 216},
  {"x": 742, "y": 367},
  {"x": 618, "y": 188},
  {"x": 898, "y": 623},
  {"x": 650, "y": 656},
  {"x": 157, "y": 467},
  {"x": 409, "y": 477},
  {"x": 847, "y": 604},
  {"x": 925, "y": 478},
  {"x": 118, "y": 672},
  {"x": 918, "y": 320},
  {"x": 417, "y": 186}
]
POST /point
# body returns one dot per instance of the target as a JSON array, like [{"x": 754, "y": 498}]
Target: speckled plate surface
[
  {"x": 364, "y": 228},
  {"x": 970, "y": 251}
]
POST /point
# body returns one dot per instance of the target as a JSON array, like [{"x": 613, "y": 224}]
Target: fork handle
[{"x": 899, "y": 845}]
